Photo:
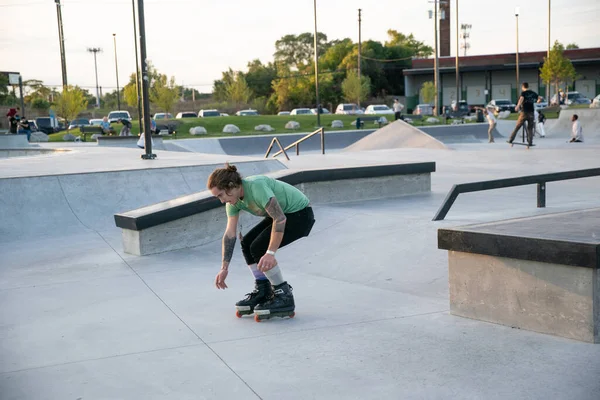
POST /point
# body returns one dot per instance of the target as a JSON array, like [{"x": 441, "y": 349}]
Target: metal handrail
[
  {"x": 510, "y": 182},
  {"x": 276, "y": 141},
  {"x": 297, "y": 143}
]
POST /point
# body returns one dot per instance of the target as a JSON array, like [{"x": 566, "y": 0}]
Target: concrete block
[{"x": 543, "y": 297}]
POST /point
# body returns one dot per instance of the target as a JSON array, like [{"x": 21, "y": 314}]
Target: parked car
[
  {"x": 502, "y": 105},
  {"x": 96, "y": 122},
  {"x": 244, "y": 113},
  {"x": 348, "y": 109},
  {"x": 224, "y": 115},
  {"x": 208, "y": 113},
  {"x": 378, "y": 109},
  {"x": 33, "y": 126},
  {"x": 283, "y": 113},
  {"x": 47, "y": 125},
  {"x": 301, "y": 111},
  {"x": 186, "y": 114},
  {"x": 596, "y": 102},
  {"x": 76, "y": 123},
  {"x": 115, "y": 116},
  {"x": 423, "y": 109},
  {"x": 323, "y": 111},
  {"x": 162, "y": 116},
  {"x": 462, "y": 109},
  {"x": 540, "y": 104},
  {"x": 572, "y": 99}
]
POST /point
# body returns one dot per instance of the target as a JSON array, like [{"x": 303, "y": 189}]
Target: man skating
[
  {"x": 526, "y": 107},
  {"x": 287, "y": 217}
]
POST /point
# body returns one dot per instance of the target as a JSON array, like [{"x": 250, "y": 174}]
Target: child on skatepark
[{"x": 287, "y": 217}]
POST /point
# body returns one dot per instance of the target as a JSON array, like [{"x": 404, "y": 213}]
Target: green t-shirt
[{"x": 259, "y": 189}]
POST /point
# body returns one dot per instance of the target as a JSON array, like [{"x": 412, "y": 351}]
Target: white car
[
  {"x": 209, "y": 113},
  {"x": 301, "y": 111},
  {"x": 423, "y": 109},
  {"x": 283, "y": 113},
  {"x": 595, "y": 102},
  {"x": 186, "y": 114},
  {"x": 162, "y": 116},
  {"x": 115, "y": 116},
  {"x": 378, "y": 109},
  {"x": 323, "y": 111},
  {"x": 95, "y": 122},
  {"x": 244, "y": 113},
  {"x": 348, "y": 109}
]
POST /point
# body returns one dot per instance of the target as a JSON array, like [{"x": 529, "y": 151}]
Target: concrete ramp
[
  {"x": 588, "y": 117},
  {"x": 65, "y": 205},
  {"x": 396, "y": 135}
]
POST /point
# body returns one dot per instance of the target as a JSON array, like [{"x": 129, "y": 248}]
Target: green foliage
[
  {"x": 164, "y": 93},
  {"x": 4, "y": 93},
  {"x": 428, "y": 92},
  {"x": 238, "y": 91},
  {"x": 557, "y": 68},
  {"x": 296, "y": 51},
  {"x": 40, "y": 104},
  {"x": 70, "y": 102},
  {"x": 572, "y": 46},
  {"x": 356, "y": 90},
  {"x": 130, "y": 92}
]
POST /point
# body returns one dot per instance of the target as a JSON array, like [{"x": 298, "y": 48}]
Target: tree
[
  {"x": 4, "y": 93},
  {"x": 238, "y": 91},
  {"x": 417, "y": 48},
  {"x": 220, "y": 86},
  {"x": 557, "y": 68},
  {"x": 260, "y": 78},
  {"x": 296, "y": 51},
  {"x": 354, "y": 89},
  {"x": 130, "y": 94},
  {"x": 572, "y": 46},
  {"x": 164, "y": 94},
  {"x": 38, "y": 91},
  {"x": 428, "y": 92},
  {"x": 40, "y": 104},
  {"x": 70, "y": 102}
]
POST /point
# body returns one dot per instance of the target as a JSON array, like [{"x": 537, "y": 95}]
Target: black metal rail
[{"x": 540, "y": 180}]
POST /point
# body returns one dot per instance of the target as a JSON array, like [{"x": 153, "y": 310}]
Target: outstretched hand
[
  {"x": 266, "y": 263},
  {"x": 220, "y": 279}
]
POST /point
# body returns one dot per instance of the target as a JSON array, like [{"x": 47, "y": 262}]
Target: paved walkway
[{"x": 83, "y": 320}]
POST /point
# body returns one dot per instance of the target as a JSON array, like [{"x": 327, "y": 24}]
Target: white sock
[{"x": 274, "y": 276}]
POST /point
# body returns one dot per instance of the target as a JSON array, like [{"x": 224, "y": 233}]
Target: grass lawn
[{"x": 214, "y": 125}]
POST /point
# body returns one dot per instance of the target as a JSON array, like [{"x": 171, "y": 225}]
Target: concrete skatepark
[{"x": 83, "y": 319}]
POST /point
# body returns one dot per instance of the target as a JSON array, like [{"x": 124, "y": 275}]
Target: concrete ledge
[
  {"x": 13, "y": 141},
  {"x": 540, "y": 273},
  {"x": 199, "y": 218}
]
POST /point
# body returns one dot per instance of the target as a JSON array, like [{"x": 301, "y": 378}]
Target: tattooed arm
[
  {"x": 274, "y": 210},
  {"x": 229, "y": 240}
]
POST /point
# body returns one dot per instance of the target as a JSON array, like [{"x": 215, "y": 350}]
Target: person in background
[
  {"x": 25, "y": 127},
  {"x": 540, "y": 124},
  {"x": 398, "y": 107},
  {"x": 576, "y": 130},
  {"x": 105, "y": 125},
  {"x": 126, "y": 130},
  {"x": 13, "y": 123}
]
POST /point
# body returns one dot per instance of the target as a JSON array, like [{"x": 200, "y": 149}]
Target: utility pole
[
  {"x": 359, "y": 52},
  {"x": 96, "y": 50},
  {"x": 145, "y": 83},
  {"x": 61, "y": 39},
  {"x": 317, "y": 69},
  {"x": 548, "y": 56},
  {"x": 436, "y": 70},
  {"x": 517, "y": 54},
  {"x": 137, "y": 68},
  {"x": 465, "y": 35},
  {"x": 458, "y": 91},
  {"x": 117, "y": 72}
]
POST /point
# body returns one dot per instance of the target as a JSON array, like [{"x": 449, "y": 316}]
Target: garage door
[
  {"x": 476, "y": 95},
  {"x": 501, "y": 92},
  {"x": 586, "y": 88},
  {"x": 449, "y": 95}
]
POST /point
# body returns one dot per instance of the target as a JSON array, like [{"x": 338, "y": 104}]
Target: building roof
[{"x": 499, "y": 61}]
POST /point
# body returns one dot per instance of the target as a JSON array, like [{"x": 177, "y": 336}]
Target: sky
[{"x": 195, "y": 40}]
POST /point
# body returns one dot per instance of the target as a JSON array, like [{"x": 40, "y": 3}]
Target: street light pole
[
  {"x": 548, "y": 55},
  {"x": 61, "y": 39},
  {"x": 317, "y": 69},
  {"x": 436, "y": 77},
  {"x": 137, "y": 68},
  {"x": 517, "y": 55},
  {"x": 458, "y": 93},
  {"x": 145, "y": 85},
  {"x": 359, "y": 51},
  {"x": 96, "y": 50},
  {"x": 117, "y": 72}
]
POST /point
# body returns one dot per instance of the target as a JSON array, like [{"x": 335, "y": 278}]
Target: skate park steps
[
  {"x": 13, "y": 141},
  {"x": 198, "y": 218},
  {"x": 537, "y": 273}
]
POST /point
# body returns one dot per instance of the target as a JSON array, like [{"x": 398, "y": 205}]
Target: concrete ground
[{"x": 82, "y": 320}]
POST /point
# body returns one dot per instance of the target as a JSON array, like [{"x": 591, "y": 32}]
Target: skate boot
[
  {"x": 280, "y": 305},
  {"x": 261, "y": 293}
]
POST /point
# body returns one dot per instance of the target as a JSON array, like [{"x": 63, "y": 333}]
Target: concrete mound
[
  {"x": 589, "y": 118},
  {"x": 397, "y": 135}
]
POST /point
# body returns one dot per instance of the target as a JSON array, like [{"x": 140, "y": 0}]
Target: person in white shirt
[
  {"x": 398, "y": 107},
  {"x": 576, "y": 130},
  {"x": 491, "y": 118}
]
